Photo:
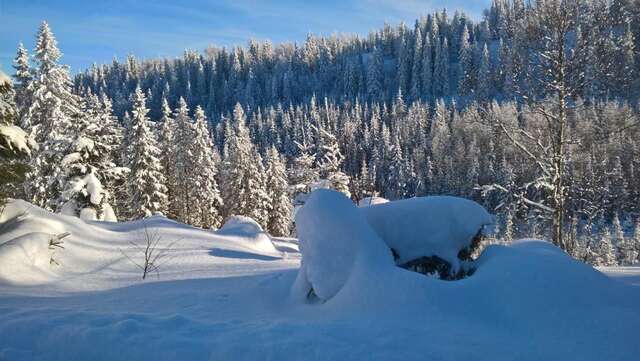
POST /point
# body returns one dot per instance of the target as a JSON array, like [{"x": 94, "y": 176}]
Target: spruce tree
[
  {"x": 50, "y": 117},
  {"x": 145, "y": 182},
  {"x": 204, "y": 187},
  {"x": 89, "y": 164},
  {"x": 23, "y": 77},
  {"x": 242, "y": 174},
  {"x": 277, "y": 187},
  {"x": 183, "y": 164}
]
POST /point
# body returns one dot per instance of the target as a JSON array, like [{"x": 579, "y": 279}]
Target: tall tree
[
  {"x": 145, "y": 183},
  {"x": 50, "y": 117},
  {"x": 280, "y": 207}
]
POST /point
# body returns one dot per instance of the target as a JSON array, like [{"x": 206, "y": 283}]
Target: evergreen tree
[
  {"x": 204, "y": 188},
  {"x": 330, "y": 162},
  {"x": 145, "y": 182},
  {"x": 242, "y": 175},
  {"x": 89, "y": 163},
  {"x": 183, "y": 165},
  {"x": 466, "y": 72},
  {"x": 484, "y": 76},
  {"x": 23, "y": 77},
  {"x": 280, "y": 207},
  {"x": 50, "y": 117},
  {"x": 168, "y": 154}
]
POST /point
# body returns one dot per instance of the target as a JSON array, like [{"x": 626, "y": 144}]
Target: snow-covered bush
[
  {"x": 249, "y": 230},
  {"x": 424, "y": 227},
  {"x": 334, "y": 238}
]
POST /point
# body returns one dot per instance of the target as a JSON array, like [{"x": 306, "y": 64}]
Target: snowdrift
[
  {"x": 93, "y": 255},
  {"x": 248, "y": 231},
  {"x": 525, "y": 302}
]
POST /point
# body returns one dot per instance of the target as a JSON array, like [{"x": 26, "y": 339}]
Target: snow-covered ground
[{"x": 228, "y": 296}]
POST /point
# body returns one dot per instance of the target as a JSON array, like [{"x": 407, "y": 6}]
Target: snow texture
[
  {"x": 217, "y": 299},
  {"x": 427, "y": 226}
]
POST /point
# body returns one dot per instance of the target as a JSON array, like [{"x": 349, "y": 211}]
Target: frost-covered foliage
[
  {"x": 15, "y": 143},
  {"x": 52, "y": 111},
  {"x": 90, "y": 168},
  {"x": 145, "y": 182},
  {"x": 207, "y": 203},
  {"x": 242, "y": 175},
  {"x": 280, "y": 206}
]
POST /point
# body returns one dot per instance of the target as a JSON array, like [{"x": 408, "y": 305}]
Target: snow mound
[
  {"x": 93, "y": 255},
  {"x": 334, "y": 239},
  {"x": 370, "y": 201},
  {"x": 249, "y": 232},
  {"x": 26, "y": 259},
  {"x": 427, "y": 226}
]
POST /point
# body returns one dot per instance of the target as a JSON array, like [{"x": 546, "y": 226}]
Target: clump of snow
[
  {"x": 249, "y": 232},
  {"x": 428, "y": 226},
  {"x": 17, "y": 139},
  {"x": 333, "y": 235},
  {"x": 370, "y": 201}
]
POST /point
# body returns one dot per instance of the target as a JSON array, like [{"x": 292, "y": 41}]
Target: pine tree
[
  {"x": 204, "y": 188},
  {"x": 89, "y": 164},
  {"x": 242, "y": 175},
  {"x": 302, "y": 173},
  {"x": 416, "y": 71},
  {"x": 484, "y": 76},
  {"x": 427, "y": 69},
  {"x": 183, "y": 166},
  {"x": 441, "y": 69},
  {"x": 49, "y": 118},
  {"x": 280, "y": 207},
  {"x": 330, "y": 162},
  {"x": 375, "y": 75},
  {"x": 23, "y": 77},
  {"x": 606, "y": 252},
  {"x": 145, "y": 182},
  {"x": 168, "y": 155},
  {"x": 466, "y": 72}
]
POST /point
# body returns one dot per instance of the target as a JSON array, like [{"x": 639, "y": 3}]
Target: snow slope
[{"x": 219, "y": 299}]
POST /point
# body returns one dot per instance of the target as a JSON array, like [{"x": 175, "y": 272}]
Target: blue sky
[{"x": 95, "y": 31}]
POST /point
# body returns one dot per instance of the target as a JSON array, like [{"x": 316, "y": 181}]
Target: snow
[
  {"x": 426, "y": 226},
  {"x": 219, "y": 299},
  {"x": 332, "y": 236},
  {"x": 370, "y": 201},
  {"x": 17, "y": 139},
  {"x": 248, "y": 231}
]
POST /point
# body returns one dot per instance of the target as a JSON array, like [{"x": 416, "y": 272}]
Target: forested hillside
[{"x": 532, "y": 111}]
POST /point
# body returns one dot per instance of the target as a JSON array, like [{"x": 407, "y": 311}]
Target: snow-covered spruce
[{"x": 145, "y": 182}]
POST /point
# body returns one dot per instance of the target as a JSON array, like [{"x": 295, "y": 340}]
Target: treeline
[
  {"x": 259, "y": 159},
  {"x": 440, "y": 56}
]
